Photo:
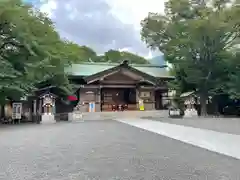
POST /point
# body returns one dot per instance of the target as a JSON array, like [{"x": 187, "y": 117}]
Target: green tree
[
  {"x": 195, "y": 37},
  {"x": 77, "y": 54},
  {"x": 31, "y": 51},
  {"x": 234, "y": 77},
  {"x": 134, "y": 58},
  {"x": 80, "y": 54},
  {"x": 115, "y": 56},
  {"x": 88, "y": 53}
]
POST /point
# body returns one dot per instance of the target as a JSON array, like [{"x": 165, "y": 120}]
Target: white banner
[{"x": 16, "y": 110}]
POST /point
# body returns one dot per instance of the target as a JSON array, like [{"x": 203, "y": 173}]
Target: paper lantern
[{"x": 72, "y": 98}]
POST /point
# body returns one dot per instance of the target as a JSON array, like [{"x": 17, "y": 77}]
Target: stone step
[{"x": 114, "y": 115}]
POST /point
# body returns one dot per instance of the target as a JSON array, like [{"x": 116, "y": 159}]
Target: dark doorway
[
  {"x": 117, "y": 96},
  {"x": 158, "y": 100}
]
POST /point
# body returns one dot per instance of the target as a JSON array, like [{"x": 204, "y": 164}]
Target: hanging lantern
[{"x": 72, "y": 98}]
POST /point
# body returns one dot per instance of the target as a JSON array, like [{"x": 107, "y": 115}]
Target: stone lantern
[
  {"x": 189, "y": 102},
  {"x": 47, "y": 105}
]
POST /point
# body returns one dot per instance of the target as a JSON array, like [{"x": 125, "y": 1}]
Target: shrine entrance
[
  {"x": 120, "y": 88},
  {"x": 118, "y": 99}
]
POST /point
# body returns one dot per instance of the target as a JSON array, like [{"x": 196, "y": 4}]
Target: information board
[{"x": 16, "y": 110}]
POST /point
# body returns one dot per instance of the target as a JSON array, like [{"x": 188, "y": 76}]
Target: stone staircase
[{"x": 117, "y": 115}]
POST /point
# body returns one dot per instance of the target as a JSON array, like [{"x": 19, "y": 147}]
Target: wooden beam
[
  {"x": 108, "y": 86},
  {"x": 102, "y": 77},
  {"x": 122, "y": 86}
]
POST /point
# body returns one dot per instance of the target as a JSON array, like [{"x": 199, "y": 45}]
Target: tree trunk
[
  {"x": 2, "y": 111},
  {"x": 203, "y": 103},
  {"x": 215, "y": 106}
]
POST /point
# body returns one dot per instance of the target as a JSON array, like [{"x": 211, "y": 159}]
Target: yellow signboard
[{"x": 141, "y": 105}]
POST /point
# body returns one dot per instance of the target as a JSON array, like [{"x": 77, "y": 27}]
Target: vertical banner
[
  {"x": 91, "y": 106},
  {"x": 16, "y": 110},
  {"x": 141, "y": 105}
]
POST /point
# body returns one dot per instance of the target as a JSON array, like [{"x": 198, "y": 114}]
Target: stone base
[
  {"x": 70, "y": 116},
  {"x": 174, "y": 112},
  {"x": 48, "y": 119},
  {"x": 76, "y": 116},
  {"x": 190, "y": 113}
]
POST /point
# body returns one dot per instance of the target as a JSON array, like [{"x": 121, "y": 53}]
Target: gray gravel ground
[
  {"x": 226, "y": 125},
  {"x": 105, "y": 150}
]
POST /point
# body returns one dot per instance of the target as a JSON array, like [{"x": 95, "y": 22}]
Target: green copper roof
[{"x": 87, "y": 69}]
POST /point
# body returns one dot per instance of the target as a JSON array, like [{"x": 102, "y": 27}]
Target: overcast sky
[{"x": 102, "y": 24}]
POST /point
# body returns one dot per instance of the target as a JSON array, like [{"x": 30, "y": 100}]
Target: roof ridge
[
  {"x": 116, "y": 64},
  {"x": 96, "y": 63}
]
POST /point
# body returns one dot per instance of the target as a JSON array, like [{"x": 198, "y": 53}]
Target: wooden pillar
[
  {"x": 34, "y": 107},
  {"x": 98, "y": 105},
  {"x": 54, "y": 107},
  {"x": 40, "y": 106}
]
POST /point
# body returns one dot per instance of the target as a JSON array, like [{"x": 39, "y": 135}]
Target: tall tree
[
  {"x": 134, "y": 58},
  {"x": 113, "y": 56},
  {"x": 80, "y": 54},
  {"x": 117, "y": 57},
  {"x": 31, "y": 50},
  {"x": 77, "y": 54},
  {"x": 234, "y": 77},
  {"x": 195, "y": 37}
]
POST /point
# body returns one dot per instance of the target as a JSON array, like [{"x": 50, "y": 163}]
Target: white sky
[
  {"x": 133, "y": 11},
  {"x": 128, "y": 11},
  {"x": 48, "y": 7}
]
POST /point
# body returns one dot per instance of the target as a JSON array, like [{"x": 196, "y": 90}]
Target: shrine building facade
[
  {"x": 106, "y": 86},
  {"x": 110, "y": 85}
]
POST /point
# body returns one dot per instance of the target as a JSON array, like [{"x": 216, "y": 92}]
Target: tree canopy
[
  {"x": 32, "y": 52},
  {"x": 86, "y": 54},
  {"x": 196, "y": 38},
  {"x": 115, "y": 56}
]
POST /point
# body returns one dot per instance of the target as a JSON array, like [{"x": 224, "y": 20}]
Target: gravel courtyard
[
  {"x": 105, "y": 150},
  {"x": 226, "y": 125}
]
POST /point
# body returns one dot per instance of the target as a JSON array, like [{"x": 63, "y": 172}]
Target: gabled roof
[
  {"x": 121, "y": 67},
  {"x": 88, "y": 69}
]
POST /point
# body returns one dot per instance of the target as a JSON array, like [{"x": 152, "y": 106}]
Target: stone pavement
[
  {"x": 105, "y": 150},
  {"x": 223, "y": 143},
  {"x": 226, "y": 125},
  {"x": 124, "y": 114}
]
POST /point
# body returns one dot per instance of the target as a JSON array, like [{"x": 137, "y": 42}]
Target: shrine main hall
[
  {"x": 101, "y": 86},
  {"x": 109, "y": 85}
]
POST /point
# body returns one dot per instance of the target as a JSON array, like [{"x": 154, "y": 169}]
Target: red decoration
[{"x": 72, "y": 98}]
